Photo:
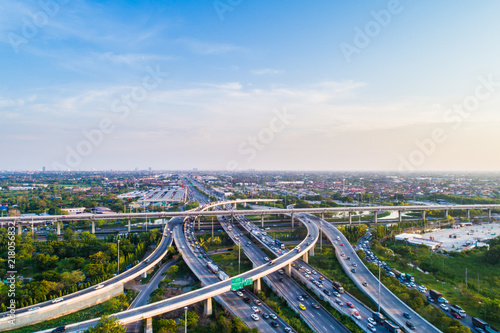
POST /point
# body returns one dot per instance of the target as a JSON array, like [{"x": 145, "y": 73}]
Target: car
[
  {"x": 99, "y": 286},
  {"x": 348, "y": 258},
  {"x": 353, "y": 270},
  {"x": 354, "y": 265},
  {"x": 365, "y": 284},
  {"x": 257, "y": 301},
  {"x": 255, "y": 309},
  {"x": 410, "y": 325},
  {"x": 371, "y": 327},
  {"x": 274, "y": 324},
  {"x": 342, "y": 255},
  {"x": 372, "y": 321},
  {"x": 306, "y": 275},
  {"x": 349, "y": 304},
  {"x": 456, "y": 315},
  {"x": 302, "y": 306},
  {"x": 336, "y": 294},
  {"x": 34, "y": 308},
  {"x": 315, "y": 305},
  {"x": 254, "y": 316},
  {"x": 265, "y": 315},
  {"x": 306, "y": 296},
  {"x": 444, "y": 307},
  {"x": 356, "y": 315},
  {"x": 327, "y": 292},
  {"x": 430, "y": 299},
  {"x": 246, "y": 300},
  {"x": 282, "y": 279},
  {"x": 57, "y": 300},
  {"x": 266, "y": 258},
  {"x": 288, "y": 330},
  {"x": 59, "y": 329},
  {"x": 273, "y": 316},
  {"x": 322, "y": 278},
  {"x": 406, "y": 315},
  {"x": 300, "y": 266},
  {"x": 300, "y": 298},
  {"x": 314, "y": 272},
  {"x": 341, "y": 244},
  {"x": 239, "y": 293},
  {"x": 338, "y": 301},
  {"x": 271, "y": 263}
]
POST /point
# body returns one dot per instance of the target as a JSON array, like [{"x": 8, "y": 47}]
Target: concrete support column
[
  {"x": 305, "y": 257},
  {"x": 400, "y": 214},
  {"x": 375, "y": 216},
  {"x": 144, "y": 275},
  {"x": 446, "y": 213},
  {"x": 129, "y": 225},
  {"x": 58, "y": 228},
  {"x": 262, "y": 221},
  {"x": 93, "y": 227},
  {"x": 468, "y": 213},
  {"x": 350, "y": 217},
  {"x": 311, "y": 251},
  {"x": 208, "y": 307},
  {"x": 293, "y": 221},
  {"x": 423, "y": 215},
  {"x": 235, "y": 204},
  {"x": 256, "y": 286},
  {"x": 19, "y": 228},
  {"x": 323, "y": 215},
  {"x": 489, "y": 214},
  {"x": 148, "y": 325},
  {"x": 199, "y": 223},
  {"x": 232, "y": 217},
  {"x": 288, "y": 270}
]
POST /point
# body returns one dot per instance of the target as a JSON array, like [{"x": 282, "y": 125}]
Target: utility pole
[
  {"x": 212, "y": 228},
  {"x": 239, "y": 256},
  {"x": 185, "y": 319},
  {"x": 466, "y": 276},
  {"x": 321, "y": 239}
]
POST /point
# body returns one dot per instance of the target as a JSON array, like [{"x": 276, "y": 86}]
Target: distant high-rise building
[{"x": 43, "y": 169}]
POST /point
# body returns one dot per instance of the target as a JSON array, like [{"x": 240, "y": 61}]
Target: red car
[
  {"x": 349, "y": 304},
  {"x": 456, "y": 315},
  {"x": 341, "y": 244}
]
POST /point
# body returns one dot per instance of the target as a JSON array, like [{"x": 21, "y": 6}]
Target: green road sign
[
  {"x": 236, "y": 283},
  {"x": 248, "y": 282}
]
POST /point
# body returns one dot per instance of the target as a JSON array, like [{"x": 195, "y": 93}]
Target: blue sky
[{"x": 228, "y": 70}]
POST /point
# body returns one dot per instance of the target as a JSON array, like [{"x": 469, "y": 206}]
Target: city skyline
[{"x": 385, "y": 85}]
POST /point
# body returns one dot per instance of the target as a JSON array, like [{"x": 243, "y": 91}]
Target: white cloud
[
  {"x": 206, "y": 48},
  {"x": 266, "y": 71}
]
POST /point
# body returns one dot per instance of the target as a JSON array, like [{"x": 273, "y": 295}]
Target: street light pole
[
  {"x": 379, "y": 283},
  {"x": 239, "y": 256},
  {"x": 118, "y": 256},
  {"x": 185, "y": 319},
  {"x": 321, "y": 239}
]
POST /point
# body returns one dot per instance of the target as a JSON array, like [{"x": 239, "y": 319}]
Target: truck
[
  {"x": 396, "y": 273},
  {"x": 435, "y": 294},
  {"x": 212, "y": 267},
  {"x": 337, "y": 286},
  {"x": 256, "y": 233},
  {"x": 476, "y": 322},
  {"x": 222, "y": 276},
  {"x": 230, "y": 228},
  {"x": 391, "y": 327},
  {"x": 410, "y": 278},
  {"x": 378, "y": 317},
  {"x": 457, "y": 309}
]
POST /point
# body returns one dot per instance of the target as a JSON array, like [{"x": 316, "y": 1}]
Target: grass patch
[{"x": 228, "y": 262}]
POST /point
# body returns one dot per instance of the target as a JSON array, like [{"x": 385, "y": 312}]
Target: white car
[
  {"x": 372, "y": 321},
  {"x": 273, "y": 316},
  {"x": 99, "y": 287},
  {"x": 255, "y": 309},
  {"x": 444, "y": 307},
  {"x": 371, "y": 327},
  {"x": 34, "y": 308},
  {"x": 57, "y": 300},
  {"x": 239, "y": 293},
  {"x": 254, "y": 316}
]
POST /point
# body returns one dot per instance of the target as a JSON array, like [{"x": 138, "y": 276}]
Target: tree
[
  {"x": 107, "y": 325},
  {"x": 166, "y": 326},
  {"x": 51, "y": 237},
  {"x": 71, "y": 279},
  {"x": 69, "y": 235},
  {"x": 86, "y": 236}
]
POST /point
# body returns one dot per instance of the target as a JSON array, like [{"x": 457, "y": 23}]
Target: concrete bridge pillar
[
  {"x": 323, "y": 215},
  {"x": 400, "y": 215},
  {"x": 288, "y": 270},
  {"x": 489, "y": 214},
  {"x": 58, "y": 228},
  {"x": 129, "y": 225},
  {"x": 208, "y": 307},
  {"x": 199, "y": 222},
  {"x": 235, "y": 204},
  {"x": 262, "y": 221},
  {"x": 305, "y": 257},
  {"x": 148, "y": 325},
  {"x": 311, "y": 251},
  {"x": 232, "y": 217},
  {"x": 144, "y": 275},
  {"x": 19, "y": 228},
  {"x": 423, "y": 215},
  {"x": 468, "y": 213},
  {"x": 256, "y": 286},
  {"x": 375, "y": 216},
  {"x": 93, "y": 227},
  {"x": 446, "y": 213},
  {"x": 350, "y": 217},
  {"x": 293, "y": 221}
]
